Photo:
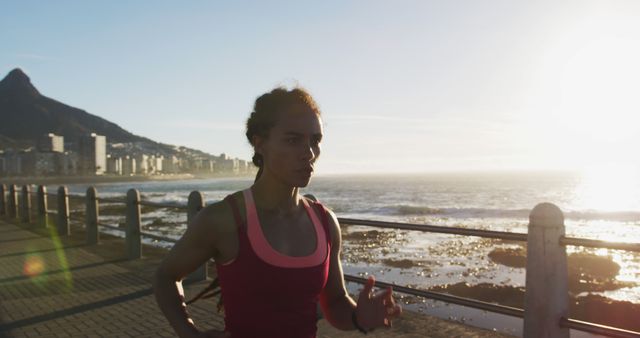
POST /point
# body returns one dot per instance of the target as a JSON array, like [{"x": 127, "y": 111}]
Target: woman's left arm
[{"x": 371, "y": 310}]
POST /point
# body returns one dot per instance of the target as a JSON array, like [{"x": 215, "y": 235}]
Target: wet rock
[
  {"x": 587, "y": 272},
  {"x": 602, "y": 310},
  {"x": 487, "y": 292},
  {"x": 585, "y": 264},
  {"x": 401, "y": 263},
  {"x": 511, "y": 257},
  {"x": 591, "y": 308}
]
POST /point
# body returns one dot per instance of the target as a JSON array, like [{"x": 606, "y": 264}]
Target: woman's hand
[{"x": 374, "y": 310}]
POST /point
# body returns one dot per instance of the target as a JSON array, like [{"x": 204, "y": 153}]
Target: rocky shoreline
[{"x": 588, "y": 274}]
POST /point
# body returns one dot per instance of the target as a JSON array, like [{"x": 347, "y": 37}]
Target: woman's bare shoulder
[
  {"x": 332, "y": 220},
  {"x": 219, "y": 216}
]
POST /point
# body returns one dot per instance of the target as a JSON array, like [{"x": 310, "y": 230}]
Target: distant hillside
[{"x": 25, "y": 115}]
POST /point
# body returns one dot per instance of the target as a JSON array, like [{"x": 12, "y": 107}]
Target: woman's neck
[{"x": 273, "y": 196}]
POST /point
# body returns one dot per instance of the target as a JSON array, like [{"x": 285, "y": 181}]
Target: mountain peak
[
  {"x": 18, "y": 81},
  {"x": 18, "y": 73}
]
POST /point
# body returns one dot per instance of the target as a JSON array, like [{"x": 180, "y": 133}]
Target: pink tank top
[{"x": 268, "y": 294}]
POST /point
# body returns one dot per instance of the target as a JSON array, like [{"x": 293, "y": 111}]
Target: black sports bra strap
[{"x": 236, "y": 211}]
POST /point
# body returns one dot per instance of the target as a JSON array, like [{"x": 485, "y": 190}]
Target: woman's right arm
[{"x": 196, "y": 246}]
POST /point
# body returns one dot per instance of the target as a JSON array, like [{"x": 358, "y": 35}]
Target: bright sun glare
[
  {"x": 600, "y": 89},
  {"x": 609, "y": 188},
  {"x": 599, "y": 113},
  {"x": 598, "y": 109}
]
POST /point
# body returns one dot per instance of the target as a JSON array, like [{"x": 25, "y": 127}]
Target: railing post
[
  {"x": 43, "y": 216},
  {"x": 3, "y": 200},
  {"x": 26, "y": 204},
  {"x": 194, "y": 205},
  {"x": 91, "y": 213},
  {"x": 13, "y": 202},
  {"x": 62, "y": 224},
  {"x": 546, "y": 291},
  {"x": 133, "y": 236}
]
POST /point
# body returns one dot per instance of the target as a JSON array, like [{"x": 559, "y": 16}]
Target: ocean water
[{"x": 596, "y": 206}]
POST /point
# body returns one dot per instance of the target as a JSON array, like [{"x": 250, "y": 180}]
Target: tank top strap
[
  {"x": 323, "y": 219},
  {"x": 236, "y": 212}
]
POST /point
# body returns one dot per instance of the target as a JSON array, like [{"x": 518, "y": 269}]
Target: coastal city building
[
  {"x": 69, "y": 163},
  {"x": 228, "y": 164},
  {"x": 12, "y": 163},
  {"x": 142, "y": 164},
  {"x": 51, "y": 143},
  {"x": 46, "y": 163},
  {"x": 243, "y": 166},
  {"x": 92, "y": 149},
  {"x": 114, "y": 165},
  {"x": 202, "y": 165},
  {"x": 129, "y": 166},
  {"x": 155, "y": 164},
  {"x": 36, "y": 163},
  {"x": 171, "y": 164},
  {"x": 92, "y": 155}
]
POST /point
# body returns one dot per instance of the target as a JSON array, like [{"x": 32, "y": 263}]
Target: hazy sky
[{"x": 405, "y": 86}]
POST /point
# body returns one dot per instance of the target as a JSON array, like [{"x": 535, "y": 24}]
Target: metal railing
[
  {"x": 120, "y": 201},
  {"x": 496, "y": 308},
  {"x": 548, "y": 259}
]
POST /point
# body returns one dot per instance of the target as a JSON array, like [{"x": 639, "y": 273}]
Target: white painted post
[
  {"x": 91, "y": 214},
  {"x": 62, "y": 223},
  {"x": 133, "y": 234},
  {"x": 25, "y": 208},
  {"x": 3, "y": 200},
  {"x": 546, "y": 288},
  {"x": 194, "y": 205},
  {"x": 13, "y": 202},
  {"x": 43, "y": 216}
]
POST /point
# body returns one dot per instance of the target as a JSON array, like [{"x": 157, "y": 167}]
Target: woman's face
[{"x": 293, "y": 145}]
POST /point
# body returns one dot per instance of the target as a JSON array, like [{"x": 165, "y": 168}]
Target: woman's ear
[{"x": 258, "y": 144}]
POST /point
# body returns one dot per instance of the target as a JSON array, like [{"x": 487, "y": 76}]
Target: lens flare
[
  {"x": 62, "y": 258},
  {"x": 33, "y": 266}
]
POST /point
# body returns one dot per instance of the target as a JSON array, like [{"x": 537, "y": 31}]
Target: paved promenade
[{"x": 53, "y": 287}]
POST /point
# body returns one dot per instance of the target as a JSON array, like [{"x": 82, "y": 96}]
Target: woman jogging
[{"x": 277, "y": 253}]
